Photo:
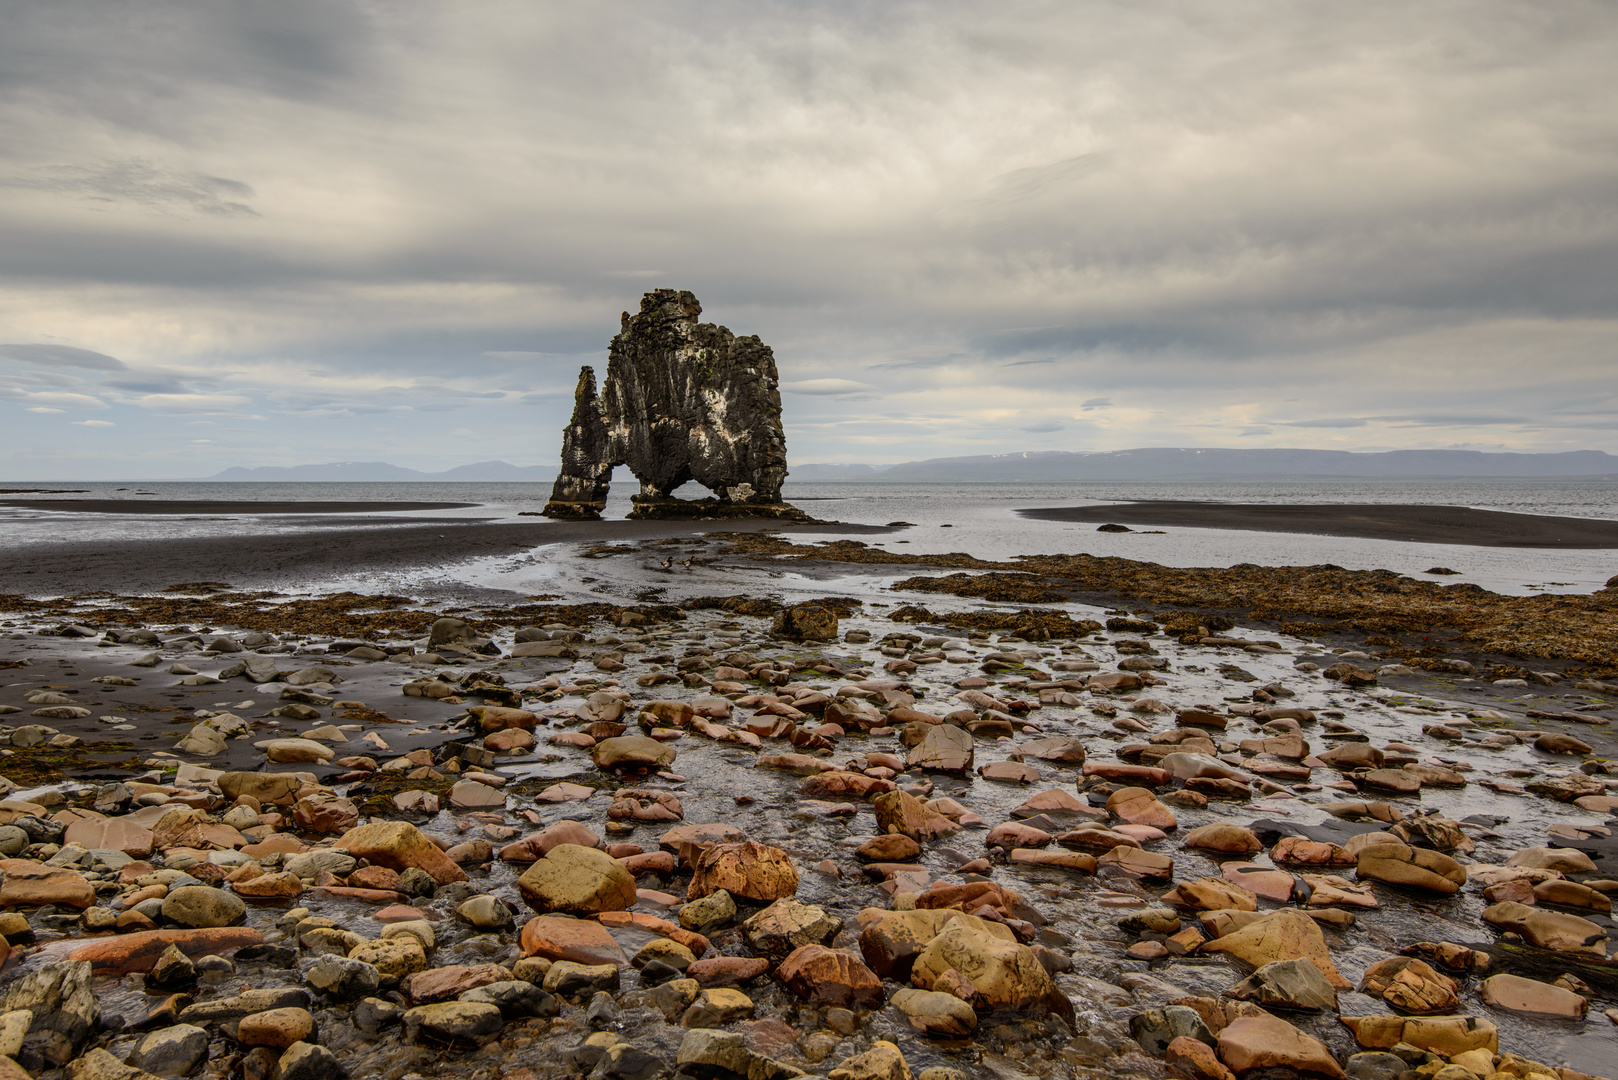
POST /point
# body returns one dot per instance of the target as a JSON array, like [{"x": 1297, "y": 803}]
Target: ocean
[{"x": 980, "y": 519}]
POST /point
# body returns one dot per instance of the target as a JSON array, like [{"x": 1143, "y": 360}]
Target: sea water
[{"x": 978, "y": 519}]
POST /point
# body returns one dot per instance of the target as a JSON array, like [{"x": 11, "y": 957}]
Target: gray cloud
[
  {"x": 1325, "y": 422},
  {"x": 142, "y": 183},
  {"x": 61, "y": 356},
  {"x": 1398, "y": 215}
]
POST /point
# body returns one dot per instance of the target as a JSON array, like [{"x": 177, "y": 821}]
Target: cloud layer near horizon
[{"x": 244, "y": 233}]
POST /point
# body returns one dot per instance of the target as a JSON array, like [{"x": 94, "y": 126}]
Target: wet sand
[
  {"x": 1415, "y": 524},
  {"x": 300, "y": 560},
  {"x": 222, "y": 506}
]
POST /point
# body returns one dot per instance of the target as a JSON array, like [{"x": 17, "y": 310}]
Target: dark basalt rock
[{"x": 682, "y": 401}]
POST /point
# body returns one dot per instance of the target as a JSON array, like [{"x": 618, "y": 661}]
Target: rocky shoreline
[{"x": 1006, "y": 835}]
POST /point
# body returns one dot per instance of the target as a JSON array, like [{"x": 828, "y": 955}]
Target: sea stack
[{"x": 683, "y": 400}]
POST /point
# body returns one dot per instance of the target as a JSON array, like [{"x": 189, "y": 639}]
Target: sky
[{"x": 248, "y": 233}]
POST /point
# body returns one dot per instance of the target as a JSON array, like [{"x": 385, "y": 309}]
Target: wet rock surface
[{"x": 1004, "y": 850}]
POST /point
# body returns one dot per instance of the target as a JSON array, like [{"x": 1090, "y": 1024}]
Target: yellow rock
[{"x": 1284, "y": 935}]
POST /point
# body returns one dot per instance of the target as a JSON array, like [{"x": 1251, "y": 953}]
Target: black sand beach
[
  {"x": 298, "y": 559},
  {"x": 222, "y": 506},
  {"x": 1414, "y": 524}
]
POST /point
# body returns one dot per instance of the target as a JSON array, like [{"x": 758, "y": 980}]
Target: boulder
[
  {"x": 399, "y": 845},
  {"x": 1400, "y": 864},
  {"x": 451, "y": 981},
  {"x": 97, "y": 1064},
  {"x": 1287, "y": 984},
  {"x": 1197, "y": 1061},
  {"x": 900, "y": 812},
  {"x": 492, "y": 718},
  {"x": 892, "y": 940},
  {"x": 128, "y": 953},
  {"x": 1562, "y": 860},
  {"x": 1282, "y": 935},
  {"x": 1553, "y": 930},
  {"x": 580, "y": 941},
  {"x": 632, "y": 752},
  {"x": 325, "y": 812},
  {"x": 1255, "y": 1043},
  {"x": 1224, "y": 838},
  {"x": 61, "y": 1001},
  {"x": 1530, "y": 996},
  {"x": 203, "y": 907},
  {"x": 310, "y": 1061},
  {"x": 830, "y": 977},
  {"x": 1139, "y": 806},
  {"x": 935, "y": 1013},
  {"x": 576, "y": 880},
  {"x": 882, "y": 1061},
  {"x": 1157, "y": 1029},
  {"x": 1446, "y": 1035},
  {"x": 1004, "y": 974},
  {"x": 31, "y": 884},
  {"x": 172, "y": 1051},
  {"x": 290, "y": 750},
  {"x": 787, "y": 925},
  {"x": 747, "y": 869},
  {"x": 276, "y": 1028},
  {"x": 943, "y": 748},
  {"x": 280, "y": 789},
  {"x": 806, "y": 622},
  {"x": 453, "y": 1022},
  {"x": 712, "y": 1054},
  {"x": 579, "y": 982},
  {"x": 1211, "y": 894},
  {"x": 1410, "y": 985}
]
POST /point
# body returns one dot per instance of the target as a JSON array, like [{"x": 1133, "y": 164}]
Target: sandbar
[
  {"x": 1371, "y": 521},
  {"x": 305, "y": 559},
  {"x": 222, "y": 506}
]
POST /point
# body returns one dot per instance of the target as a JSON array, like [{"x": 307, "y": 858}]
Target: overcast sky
[{"x": 280, "y": 233}]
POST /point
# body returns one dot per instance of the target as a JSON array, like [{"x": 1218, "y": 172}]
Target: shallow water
[{"x": 981, "y": 519}]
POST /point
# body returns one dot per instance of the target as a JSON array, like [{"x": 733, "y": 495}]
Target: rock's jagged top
[{"x": 683, "y": 400}]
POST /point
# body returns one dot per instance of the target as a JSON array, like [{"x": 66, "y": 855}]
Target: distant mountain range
[
  {"x": 1049, "y": 466},
  {"x": 1167, "y": 463},
  {"x": 381, "y": 471}
]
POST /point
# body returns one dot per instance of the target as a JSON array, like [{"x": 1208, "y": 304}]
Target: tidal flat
[{"x": 870, "y": 813}]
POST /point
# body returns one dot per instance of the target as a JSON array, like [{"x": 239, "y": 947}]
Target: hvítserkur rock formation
[{"x": 682, "y": 401}]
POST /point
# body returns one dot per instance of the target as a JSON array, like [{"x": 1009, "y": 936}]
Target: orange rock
[
  {"x": 138, "y": 952},
  {"x": 367, "y": 896},
  {"x": 1195, "y": 1060},
  {"x": 281, "y": 885},
  {"x": 115, "y": 834},
  {"x": 453, "y": 980},
  {"x": 377, "y": 877},
  {"x": 498, "y": 718},
  {"x": 1257, "y": 1042},
  {"x": 325, "y": 812},
  {"x": 748, "y": 870},
  {"x": 651, "y": 924},
  {"x": 275, "y": 843},
  {"x": 32, "y": 884},
  {"x": 399, "y": 845},
  {"x": 1147, "y": 865},
  {"x": 1287, "y": 934},
  {"x": 834, "y": 977},
  {"x": 1144, "y": 775},
  {"x": 578, "y": 940}
]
